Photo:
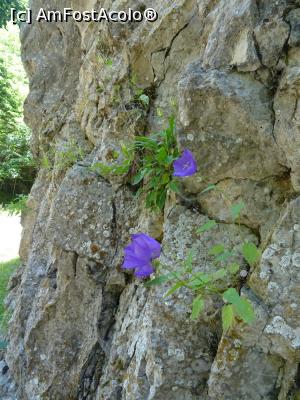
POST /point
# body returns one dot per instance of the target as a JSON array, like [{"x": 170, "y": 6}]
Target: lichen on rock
[{"x": 82, "y": 328}]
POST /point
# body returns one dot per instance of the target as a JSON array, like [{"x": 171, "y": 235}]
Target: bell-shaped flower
[
  {"x": 186, "y": 165},
  {"x": 139, "y": 254}
]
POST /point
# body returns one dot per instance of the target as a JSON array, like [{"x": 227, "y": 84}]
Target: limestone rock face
[{"x": 83, "y": 329}]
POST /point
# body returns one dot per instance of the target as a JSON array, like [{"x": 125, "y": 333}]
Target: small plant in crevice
[
  {"x": 116, "y": 168},
  {"x": 143, "y": 254},
  {"x": 157, "y": 165},
  {"x": 64, "y": 158},
  {"x": 139, "y": 95},
  {"x": 104, "y": 52}
]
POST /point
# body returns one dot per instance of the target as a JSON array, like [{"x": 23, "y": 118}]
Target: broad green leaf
[
  {"x": 233, "y": 268},
  {"x": 174, "y": 288},
  {"x": 244, "y": 310},
  {"x": 206, "y": 227},
  {"x": 174, "y": 187},
  {"x": 236, "y": 209},
  {"x": 139, "y": 177},
  {"x": 162, "y": 155},
  {"x": 242, "y": 306},
  {"x": 216, "y": 250},
  {"x": 159, "y": 280},
  {"x": 231, "y": 296},
  {"x": 197, "y": 308},
  {"x": 227, "y": 317},
  {"x": 251, "y": 253}
]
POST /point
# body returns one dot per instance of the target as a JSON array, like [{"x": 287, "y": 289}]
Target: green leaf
[
  {"x": 206, "y": 227},
  {"x": 227, "y": 317},
  {"x": 224, "y": 256},
  {"x": 174, "y": 288},
  {"x": 216, "y": 250},
  {"x": 174, "y": 187},
  {"x": 242, "y": 306},
  {"x": 108, "y": 63},
  {"x": 162, "y": 155},
  {"x": 188, "y": 262},
  {"x": 197, "y": 307},
  {"x": 231, "y": 296},
  {"x": 245, "y": 310},
  {"x": 236, "y": 209},
  {"x": 233, "y": 268},
  {"x": 159, "y": 280},
  {"x": 221, "y": 273},
  {"x": 161, "y": 199},
  {"x": 251, "y": 253},
  {"x": 159, "y": 112},
  {"x": 144, "y": 99},
  {"x": 139, "y": 177},
  {"x": 200, "y": 279},
  {"x": 208, "y": 189},
  {"x": 165, "y": 179}
]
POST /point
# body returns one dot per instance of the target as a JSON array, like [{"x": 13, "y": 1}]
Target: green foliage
[
  {"x": 197, "y": 307},
  {"x": 157, "y": 154},
  {"x": 122, "y": 167},
  {"x": 6, "y": 270},
  {"x": 6, "y": 5},
  {"x": 18, "y": 205},
  {"x": 251, "y": 253},
  {"x": 236, "y": 209},
  {"x": 207, "y": 226},
  {"x": 16, "y": 162},
  {"x": 138, "y": 93},
  {"x": 227, "y": 317},
  {"x": 17, "y": 168},
  {"x": 154, "y": 168},
  {"x": 104, "y": 52},
  {"x": 216, "y": 282},
  {"x": 63, "y": 158}
]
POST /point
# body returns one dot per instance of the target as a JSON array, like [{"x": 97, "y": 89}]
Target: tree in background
[
  {"x": 16, "y": 164},
  {"x": 5, "y": 7}
]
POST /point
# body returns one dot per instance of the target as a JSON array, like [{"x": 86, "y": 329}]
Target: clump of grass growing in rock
[{"x": 63, "y": 158}]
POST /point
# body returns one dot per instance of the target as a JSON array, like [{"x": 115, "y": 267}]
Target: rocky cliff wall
[{"x": 81, "y": 328}]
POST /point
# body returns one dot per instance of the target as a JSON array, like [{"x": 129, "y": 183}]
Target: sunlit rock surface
[{"x": 81, "y": 328}]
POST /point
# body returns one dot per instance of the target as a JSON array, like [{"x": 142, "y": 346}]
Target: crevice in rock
[
  {"x": 74, "y": 262},
  {"x": 168, "y": 50},
  {"x": 91, "y": 374},
  {"x": 257, "y": 49},
  {"x": 92, "y": 370}
]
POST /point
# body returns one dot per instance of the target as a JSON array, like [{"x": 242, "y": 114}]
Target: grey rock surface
[{"x": 81, "y": 328}]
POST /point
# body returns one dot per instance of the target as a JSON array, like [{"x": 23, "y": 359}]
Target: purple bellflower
[
  {"x": 140, "y": 253},
  {"x": 185, "y": 165}
]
